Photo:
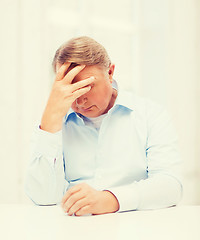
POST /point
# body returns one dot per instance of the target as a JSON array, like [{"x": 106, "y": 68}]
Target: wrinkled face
[{"x": 98, "y": 100}]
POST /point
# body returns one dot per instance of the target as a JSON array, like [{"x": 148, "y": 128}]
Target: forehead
[{"x": 89, "y": 71}]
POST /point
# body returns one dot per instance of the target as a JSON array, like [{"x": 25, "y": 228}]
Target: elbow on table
[
  {"x": 174, "y": 193},
  {"x": 40, "y": 196},
  {"x": 178, "y": 197}
]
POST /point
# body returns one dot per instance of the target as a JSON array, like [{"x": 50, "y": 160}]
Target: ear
[{"x": 111, "y": 71}]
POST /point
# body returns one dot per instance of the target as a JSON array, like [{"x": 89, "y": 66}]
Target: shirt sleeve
[
  {"x": 45, "y": 181},
  {"x": 162, "y": 188}
]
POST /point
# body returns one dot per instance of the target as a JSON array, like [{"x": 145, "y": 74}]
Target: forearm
[
  {"x": 159, "y": 191},
  {"x": 44, "y": 187},
  {"x": 45, "y": 182},
  {"x": 110, "y": 203}
]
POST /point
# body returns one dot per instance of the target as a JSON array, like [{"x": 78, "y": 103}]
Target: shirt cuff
[
  {"x": 46, "y": 143},
  {"x": 127, "y": 196}
]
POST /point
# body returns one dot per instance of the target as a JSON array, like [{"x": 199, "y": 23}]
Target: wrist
[
  {"x": 51, "y": 125},
  {"x": 111, "y": 201}
]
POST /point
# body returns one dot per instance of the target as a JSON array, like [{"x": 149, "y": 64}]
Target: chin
[{"x": 90, "y": 114}]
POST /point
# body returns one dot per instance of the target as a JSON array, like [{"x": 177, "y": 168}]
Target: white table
[{"x": 49, "y": 222}]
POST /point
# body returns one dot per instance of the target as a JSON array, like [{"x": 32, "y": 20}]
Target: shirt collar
[
  {"x": 70, "y": 112},
  {"x": 124, "y": 98}
]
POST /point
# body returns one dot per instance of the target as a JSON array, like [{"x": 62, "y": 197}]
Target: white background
[{"x": 155, "y": 45}]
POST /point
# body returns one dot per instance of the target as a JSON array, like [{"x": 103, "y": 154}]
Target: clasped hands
[{"x": 83, "y": 199}]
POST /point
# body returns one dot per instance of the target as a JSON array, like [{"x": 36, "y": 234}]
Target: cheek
[
  {"x": 73, "y": 106},
  {"x": 93, "y": 98},
  {"x": 99, "y": 99}
]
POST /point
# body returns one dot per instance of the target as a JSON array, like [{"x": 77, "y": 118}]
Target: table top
[{"x": 50, "y": 222}]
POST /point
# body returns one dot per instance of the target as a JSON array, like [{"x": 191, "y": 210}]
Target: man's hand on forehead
[
  {"x": 64, "y": 69},
  {"x": 64, "y": 93},
  {"x": 71, "y": 66},
  {"x": 68, "y": 71}
]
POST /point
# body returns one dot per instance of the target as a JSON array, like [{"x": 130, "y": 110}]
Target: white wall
[
  {"x": 154, "y": 44},
  {"x": 9, "y": 92},
  {"x": 169, "y": 74},
  {"x": 183, "y": 88}
]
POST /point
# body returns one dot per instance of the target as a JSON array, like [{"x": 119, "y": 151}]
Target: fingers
[
  {"x": 80, "y": 200},
  {"x": 80, "y": 92},
  {"x": 62, "y": 70},
  {"x": 72, "y": 200},
  {"x": 69, "y": 193},
  {"x": 82, "y": 83},
  {"x": 77, "y": 206},
  {"x": 76, "y": 199},
  {"x": 72, "y": 73},
  {"x": 84, "y": 210}
]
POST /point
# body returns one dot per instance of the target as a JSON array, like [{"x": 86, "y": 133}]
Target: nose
[{"x": 81, "y": 100}]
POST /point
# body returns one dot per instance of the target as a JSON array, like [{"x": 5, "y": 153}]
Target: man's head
[
  {"x": 82, "y": 50},
  {"x": 86, "y": 51}
]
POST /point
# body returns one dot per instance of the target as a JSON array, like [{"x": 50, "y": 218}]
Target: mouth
[{"x": 86, "y": 109}]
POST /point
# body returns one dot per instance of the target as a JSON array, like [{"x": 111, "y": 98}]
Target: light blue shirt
[{"x": 133, "y": 155}]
